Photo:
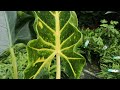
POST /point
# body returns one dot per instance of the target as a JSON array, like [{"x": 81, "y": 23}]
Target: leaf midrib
[
  {"x": 57, "y": 43},
  {"x": 57, "y": 48},
  {"x": 57, "y": 33}
]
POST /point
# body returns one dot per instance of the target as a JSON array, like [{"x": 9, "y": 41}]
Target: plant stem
[
  {"x": 14, "y": 64},
  {"x": 58, "y": 70},
  {"x": 58, "y": 74}
]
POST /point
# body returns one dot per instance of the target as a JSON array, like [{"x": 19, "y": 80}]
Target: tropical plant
[
  {"x": 7, "y": 35},
  {"x": 13, "y": 31},
  {"x": 102, "y": 45},
  {"x": 6, "y": 70},
  {"x": 55, "y": 49}
]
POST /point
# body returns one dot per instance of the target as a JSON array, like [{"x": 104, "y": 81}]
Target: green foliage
[
  {"x": 5, "y": 62},
  {"x": 7, "y": 36},
  {"x": 7, "y": 31},
  {"x": 108, "y": 62},
  {"x": 5, "y": 71},
  {"x": 91, "y": 19},
  {"x": 14, "y": 26},
  {"x": 20, "y": 30},
  {"x": 57, "y": 37},
  {"x": 105, "y": 42},
  {"x": 109, "y": 29},
  {"x": 24, "y": 27}
]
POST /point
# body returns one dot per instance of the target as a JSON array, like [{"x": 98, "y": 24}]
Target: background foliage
[{"x": 103, "y": 46}]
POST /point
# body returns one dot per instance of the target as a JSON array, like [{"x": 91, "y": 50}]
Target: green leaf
[
  {"x": 104, "y": 25},
  {"x": 103, "y": 21},
  {"x": 23, "y": 34},
  {"x": 5, "y": 62},
  {"x": 7, "y": 31},
  {"x": 114, "y": 22},
  {"x": 57, "y": 36},
  {"x": 24, "y": 29},
  {"x": 5, "y": 71},
  {"x": 7, "y": 35}
]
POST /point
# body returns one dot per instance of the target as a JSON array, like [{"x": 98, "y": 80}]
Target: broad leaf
[
  {"x": 7, "y": 31},
  {"x": 24, "y": 29},
  {"x": 24, "y": 33},
  {"x": 7, "y": 36},
  {"x": 57, "y": 35}
]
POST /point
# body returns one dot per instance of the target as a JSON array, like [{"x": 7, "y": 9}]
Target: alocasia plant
[{"x": 57, "y": 37}]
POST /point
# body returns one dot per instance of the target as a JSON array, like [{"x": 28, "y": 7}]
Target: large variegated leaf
[{"x": 59, "y": 37}]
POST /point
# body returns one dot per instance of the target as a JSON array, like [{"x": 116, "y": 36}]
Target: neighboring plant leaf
[
  {"x": 57, "y": 35},
  {"x": 103, "y": 21},
  {"x": 24, "y": 34},
  {"x": 24, "y": 30},
  {"x": 23, "y": 18},
  {"x": 7, "y": 36},
  {"x": 7, "y": 31}
]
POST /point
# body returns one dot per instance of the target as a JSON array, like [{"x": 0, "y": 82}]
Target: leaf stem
[
  {"x": 14, "y": 64},
  {"x": 58, "y": 70},
  {"x": 58, "y": 74}
]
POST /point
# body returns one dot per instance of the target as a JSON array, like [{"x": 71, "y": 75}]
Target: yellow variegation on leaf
[{"x": 57, "y": 37}]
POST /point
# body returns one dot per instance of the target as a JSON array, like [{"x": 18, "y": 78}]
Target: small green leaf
[
  {"x": 114, "y": 22},
  {"x": 104, "y": 25},
  {"x": 103, "y": 21}
]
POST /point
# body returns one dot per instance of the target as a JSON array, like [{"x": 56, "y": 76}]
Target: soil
[{"x": 91, "y": 69}]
